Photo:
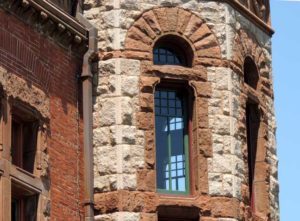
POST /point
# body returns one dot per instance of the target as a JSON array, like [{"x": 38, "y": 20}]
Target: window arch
[
  {"x": 251, "y": 75},
  {"x": 172, "y": 50}
]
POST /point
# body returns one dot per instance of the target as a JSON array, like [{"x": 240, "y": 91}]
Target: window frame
[
  {"x": 29, "y": 184},
  {"x": 20, "y": 194},
  {"x": 182, "y": 86},
  {"x": 23, "y": 119}
]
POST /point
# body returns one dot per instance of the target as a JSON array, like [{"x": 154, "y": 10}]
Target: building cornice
[
  {"x": 49, "y": 20},
  {"x": 256, "y": 18}
]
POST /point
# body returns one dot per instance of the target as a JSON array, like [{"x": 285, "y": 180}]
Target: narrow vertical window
[
  {"x": 253, "y": 122},
  {"x": 172, "y": 152},
  {"x": 24, "y": 141}
]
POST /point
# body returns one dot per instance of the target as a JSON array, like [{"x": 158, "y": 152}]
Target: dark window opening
[
  {"x": 172, "y": 50},
  {"x": 253, "y": 123},
  {"x": 172, "y": 141},
  {"x": 24, "y": 204},
  {"x": 24, "y": 141},
  {"x": 178, "y": 213},
  {"x": 251, "y": 76}
]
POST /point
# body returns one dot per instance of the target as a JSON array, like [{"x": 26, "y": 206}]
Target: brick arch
[
  {"x": 158, "y": 22},
  {"x": 19, "y": 50},
  {"x": 245, "y": 45}
]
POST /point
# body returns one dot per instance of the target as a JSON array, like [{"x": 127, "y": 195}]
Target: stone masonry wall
[{"x": 127, "y": 32}]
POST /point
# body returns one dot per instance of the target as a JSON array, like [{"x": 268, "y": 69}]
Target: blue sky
[{"x": 286, "y": 65}]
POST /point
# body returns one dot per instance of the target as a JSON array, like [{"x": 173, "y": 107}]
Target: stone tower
[{"x": 184, "y": 125}]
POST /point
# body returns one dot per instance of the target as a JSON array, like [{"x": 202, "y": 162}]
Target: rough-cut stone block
[
  {"x": 105, "y": 159},
  {"x": 130, "y": 85},
  {"x": 225, "y": 207}
]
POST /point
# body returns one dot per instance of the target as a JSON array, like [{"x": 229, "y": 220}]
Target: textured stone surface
[
  {"x": 118, "y": 150},
  {"x": 220, "y": 38}
]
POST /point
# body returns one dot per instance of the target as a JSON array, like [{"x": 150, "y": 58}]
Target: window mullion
[
  {"x": 169, "y": 153},
  {"x": 186, "y": 147},
  {"x": 21, "y": 148},
  {"x": 187, "y": 165}
]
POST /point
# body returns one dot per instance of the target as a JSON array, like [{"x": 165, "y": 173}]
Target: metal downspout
[{"x": 89, "y": 60}]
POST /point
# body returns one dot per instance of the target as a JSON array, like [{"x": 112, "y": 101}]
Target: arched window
[
  {"x": 251, "y": 76},
  {"x": 172, "y": 50},
  {"x": 173, "y": 107}
]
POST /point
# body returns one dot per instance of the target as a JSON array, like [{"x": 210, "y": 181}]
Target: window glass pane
[
  {"x": 164, "y": 111},
  {"x": 16, "y": 146},
  {"x": 162, "y": 161},
  {"x": 164, "y": 102},
  {"x": 157, "y": 94},
  {"x": 15, "y": 210},
  {"x": 173, "y": 173},
  {"x": 172, "y": 111},
  {"x": 172, "y": 103},
  {"x": 180, "y": 164},
  {"x": 29, "y": 146},
  {"x": 180, "y": 172},
  {"x": 173, "y": 184},
  {"x": 181, "y": 184},
  {"x": 157, "y": 102},
  {"x": 170, "y": 145},
  {"x": 170, "y": 59},
  {"x": 179, "y": 112},
  {"x": 167, "y": 185},
  {"x": 155, "y": 58},
  {"x": 172, "y": 94},
  {"x": 164, "y": 94},
  {"x": 163, "y": 55},
  {"x": 30, "y": 204}
]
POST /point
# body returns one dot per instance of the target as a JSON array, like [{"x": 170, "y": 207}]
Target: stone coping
[
  {"x": 50, "y": 20},
  {"x": 260, "y": 22}
]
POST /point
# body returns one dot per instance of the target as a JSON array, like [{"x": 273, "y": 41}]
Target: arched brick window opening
[
  {"x": 251, "y": 76},
  {"x": 252, "y": 125},
  {"x": 172, "y": 50}
]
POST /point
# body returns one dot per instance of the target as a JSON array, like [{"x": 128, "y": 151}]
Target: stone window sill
[{"x": 26, "y": 179}]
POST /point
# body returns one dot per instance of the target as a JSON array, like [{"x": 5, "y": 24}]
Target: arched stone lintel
[
  {"x": 162, "y": 21},
  {"x": 246, "y": 45}
]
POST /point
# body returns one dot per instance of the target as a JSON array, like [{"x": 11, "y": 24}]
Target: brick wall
[{"x": 43, "y": 64}]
